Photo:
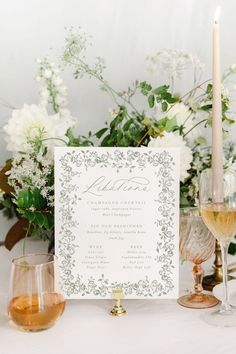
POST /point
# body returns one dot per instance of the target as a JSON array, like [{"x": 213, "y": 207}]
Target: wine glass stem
[
  {"x": 225, "y": 302},
  {"x": 198, "y": 276}
]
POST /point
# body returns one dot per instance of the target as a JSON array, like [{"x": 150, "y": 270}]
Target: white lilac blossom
[
  {"x": 32, "y": 171},
  {"x": 170, "y": 139},
  {"x": 173, "y": 63},
  {"x": 31, "y": 127}
]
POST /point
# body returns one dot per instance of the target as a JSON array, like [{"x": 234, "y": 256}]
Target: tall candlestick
[{"x": 217, "y": 139}]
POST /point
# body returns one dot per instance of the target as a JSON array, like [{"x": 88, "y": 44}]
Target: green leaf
[
  {"x": 232, "y": 248},
  {"x": 100, "y": 133},
  {"x": 224, "y": 106},
  {"x": 151, "y": 101},
  {"x": 116, "y": 121},
  {"x": 209, "y": 88},
  {"x": 145, "y": 88},
  {"x": 107, "y": 141},
  {"x": 206, "y": 107},
  {"x": 161, "y": 89},
  {"x": 184, "y": 201},
  {"x": 171, "y": 100},
  {"x": 70, "y": 136},
  {"x": 162, "y": 122},
  {"x": 42, "y": 219},
  {"x": 171, "y": 124},
  {"x": 164, "y": 106},
  {"x": 127, "y": 124}
]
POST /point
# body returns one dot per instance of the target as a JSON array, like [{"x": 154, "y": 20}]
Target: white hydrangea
[
  {"x": 170, "y": 139},
  {"x": 31, "y": 125}
]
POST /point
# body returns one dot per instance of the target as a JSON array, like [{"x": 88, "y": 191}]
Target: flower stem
[
  {"x": 26, "y": 235},
  {"x": 141, "y": 140},
  {"x": 202, "y": 121},
  {"x": 113, "y": 92},
  {"x": 59, "y": 139},
  {"x": 195, "y": 88}
]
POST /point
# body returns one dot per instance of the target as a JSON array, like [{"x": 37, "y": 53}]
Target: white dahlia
[
  {"x": 174, "y": 140},
  {"x": 31, "y": 125}
]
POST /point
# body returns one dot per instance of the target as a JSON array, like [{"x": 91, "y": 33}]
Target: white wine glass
[{"x": 219, "y": 215}]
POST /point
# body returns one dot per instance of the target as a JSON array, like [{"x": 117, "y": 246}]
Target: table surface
[{"x": 150, "y": 327}]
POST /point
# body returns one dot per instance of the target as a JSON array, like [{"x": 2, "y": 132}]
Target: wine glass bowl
[
  {"x": 35, "y": 300},
  {"x": 218, "y": 210},
  {"x": 196, "y": 245}
]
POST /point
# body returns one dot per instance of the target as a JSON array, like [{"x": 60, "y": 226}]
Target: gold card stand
[
  {"x": 209, "y": 281},
  {"x": 118, "y": 309}
]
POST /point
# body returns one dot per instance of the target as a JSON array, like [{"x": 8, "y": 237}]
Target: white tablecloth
[{"x": 150, "y": 327}]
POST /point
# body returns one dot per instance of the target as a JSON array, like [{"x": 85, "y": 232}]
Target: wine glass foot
[
  {"x": 220, "y": 318},
  {"x": 198, "y": 301}
]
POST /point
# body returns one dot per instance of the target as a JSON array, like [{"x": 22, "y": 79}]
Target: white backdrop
[{"x": 124, "y": 33}]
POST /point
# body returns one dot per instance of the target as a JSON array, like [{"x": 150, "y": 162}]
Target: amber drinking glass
[
  {"x": 196, "y": 245},
  {"x": 35, "y": 300}
]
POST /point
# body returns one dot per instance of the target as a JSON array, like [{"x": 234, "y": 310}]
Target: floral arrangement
[{"x": 166, "y": 118}]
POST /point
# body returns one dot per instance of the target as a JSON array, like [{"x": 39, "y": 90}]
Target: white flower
[
  {"x": 47, "y": 74},
  {"x": 113, "y": 112},
  {"x": 175, "y": 140},
  {"x": 233, "y": 68},
  {"x": 38, "y": 78},
  {"x": 53, "y": 91},
  {"x": 184, "y": 117},
  {"x": 29, "y": 171},
  {"x": 57, "y": 80},
  {"x": 32, "y": 124},
  {"x": 44, "y": 93},
  {"x": 173, "y": 62}
]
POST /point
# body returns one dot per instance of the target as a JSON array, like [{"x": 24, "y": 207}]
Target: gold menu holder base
[
  {"x": 118, "y": 309},
  {"x": 210, "y": 281}
]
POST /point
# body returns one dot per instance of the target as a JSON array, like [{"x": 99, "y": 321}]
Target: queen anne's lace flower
[
  {"x": 31, "y": 126},
  {"x": 174, "y": 140},
  {"x": 173, "y": 62},
  {"x": 28, "y": 172}
]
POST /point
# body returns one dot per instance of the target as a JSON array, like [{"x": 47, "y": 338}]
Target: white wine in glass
[{"x": 220, "y": 218}]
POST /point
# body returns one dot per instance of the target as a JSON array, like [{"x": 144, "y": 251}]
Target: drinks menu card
[{"x": 117, "y": 221}]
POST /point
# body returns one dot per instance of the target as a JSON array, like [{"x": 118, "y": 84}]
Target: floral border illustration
[{"x": 70, "y": 163}]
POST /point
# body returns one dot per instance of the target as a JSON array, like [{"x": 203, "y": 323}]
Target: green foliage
[
  {"x": 160, "y": 95},
  {"x": 124, "y": 130},
  {"x": 79, "y": 140},
  {"x": 33, "y": 206},
  {"x": 151, "y": 101},
  {"x": 145, "y": 88},
  {"x": 7, "y": 206},
  {"x": 100, "y": 133},
  {"x": 232, "y": 248}
]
